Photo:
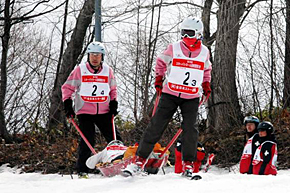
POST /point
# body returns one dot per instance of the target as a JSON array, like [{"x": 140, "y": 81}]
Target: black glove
[
  {"x": 113, "y": 107},
  {"x": 69, "y": 112}
]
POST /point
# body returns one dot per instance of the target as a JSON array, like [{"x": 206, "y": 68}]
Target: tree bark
[
  {"x": 3, "y": 82},
  {"x": 272, "y": 63},
  {"x": 207, "y": 40},
  {"x": 69, "y": 61},
  {"x": 286, "y": 91},
  {"x": 225, "y": 111}
]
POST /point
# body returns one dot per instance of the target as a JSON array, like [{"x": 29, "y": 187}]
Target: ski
[
  {"x": 192, "y": 177},
  {"x": 196, "y": 177},
  {"x": 126, "y": 173}
]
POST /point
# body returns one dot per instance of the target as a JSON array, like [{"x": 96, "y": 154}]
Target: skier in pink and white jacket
[
  {"x": 93, "y": 87},
  {"x": 181, "y": 71}
]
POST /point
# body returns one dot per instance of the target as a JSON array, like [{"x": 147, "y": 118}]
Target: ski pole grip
[{"x": 114, "y": 128}]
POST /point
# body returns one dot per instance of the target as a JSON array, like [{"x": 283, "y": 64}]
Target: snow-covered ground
[{"x": 215, "y": 181}]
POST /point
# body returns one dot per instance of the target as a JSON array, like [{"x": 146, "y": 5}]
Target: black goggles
[{"x": 187, "y": 33}]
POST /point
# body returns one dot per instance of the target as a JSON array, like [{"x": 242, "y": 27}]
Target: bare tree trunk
[
  {"x": 3, "y": 82},
  {"x": 225, "y": 111},
  {"x": 150, "y": 57},
  {"x": 286, "y": 91},
  {"x": 256, "y": 103},
  {"x": 70, "y": 57},
  {"x": 136, "y": 95},
  {"x": 62, "y": 42},
  {"x": 272, "y": 63},
  {"x": 207, "y": 39}
]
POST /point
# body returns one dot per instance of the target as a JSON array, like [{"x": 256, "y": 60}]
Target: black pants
[
  {"x": 166, "y": 108},
  {"x": 87, "y": 126}
]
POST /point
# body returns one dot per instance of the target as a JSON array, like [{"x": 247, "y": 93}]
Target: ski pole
[
  {"x": 114, "y": 129},
  {"x": 156, "y": 102},
  {"x": 207, "y": 97},
  {"x": 171, "y": 142},
  {"x": 82, "y": 135},
  {"x": 203, "y": 100}
]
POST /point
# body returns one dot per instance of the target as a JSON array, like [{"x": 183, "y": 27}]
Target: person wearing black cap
[
  {"x": 251, "y": 123},
  {"x": 264, "y": 162}
]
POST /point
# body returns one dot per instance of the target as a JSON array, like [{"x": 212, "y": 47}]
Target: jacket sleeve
[
  {"x": 267, "y": 156},
  {"x": 72, "y": 83},
  {"x": 162, "y": 61},
  {"x": 113, "y": 85},
  {"x": 207, "y": 71}
]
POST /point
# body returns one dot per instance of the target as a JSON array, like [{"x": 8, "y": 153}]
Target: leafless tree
[
  {"x": 286, "y": 93},
  {"x": 13, "y": 15},
  {"x": 259, "y": 81},
  {"x": 225, "y": 110}
]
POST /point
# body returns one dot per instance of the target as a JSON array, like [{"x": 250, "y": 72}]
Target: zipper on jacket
[{"x": 97, "y": 108}]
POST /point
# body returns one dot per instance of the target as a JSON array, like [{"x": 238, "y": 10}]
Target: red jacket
[
  {"x": 264, "y": 162},
  {"x": 248, "y": 154}
]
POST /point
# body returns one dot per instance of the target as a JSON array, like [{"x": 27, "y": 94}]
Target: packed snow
[{"x": 216, "y": 180}]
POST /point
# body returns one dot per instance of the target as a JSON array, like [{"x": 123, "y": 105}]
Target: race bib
[
  {"x": 186, "y": 76},
  {"x": 95, "y": 88}
]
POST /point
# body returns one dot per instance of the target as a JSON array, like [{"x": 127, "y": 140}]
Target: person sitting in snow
[
  {"x": 117, "y": 152},
  {"x": 112, "y": 153},
  {"x": 200, "y": 154},
  {"x": 265, "y": 158},
  {"x": 251, "y": 123}
]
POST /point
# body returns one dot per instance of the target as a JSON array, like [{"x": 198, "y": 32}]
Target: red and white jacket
[
  {"x": 248, "y": 154},
  {"x": 178, "y": 50},
  {"x": 72, "y": 88},
  {"x": 265, "y": 158}
]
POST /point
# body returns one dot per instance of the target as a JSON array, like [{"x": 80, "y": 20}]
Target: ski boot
[
  {"x": 83, "y": 175},
  {"x": 136, "y": 167},
  {"x": 187, "y": 169}
]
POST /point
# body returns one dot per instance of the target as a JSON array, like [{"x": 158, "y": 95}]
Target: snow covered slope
[{"x": 215, "y": 181}]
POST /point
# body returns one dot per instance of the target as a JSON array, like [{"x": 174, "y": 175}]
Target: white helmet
[
  {"x": 96, "y": 47},
  {"x": 194, "y": 24},
  {"x": 115, "y": 142}
]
